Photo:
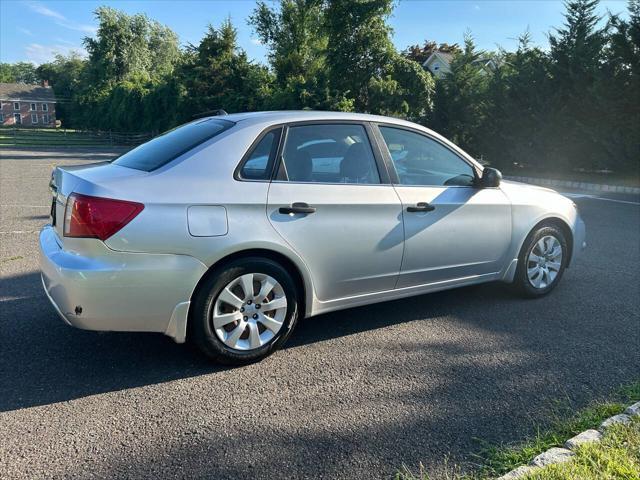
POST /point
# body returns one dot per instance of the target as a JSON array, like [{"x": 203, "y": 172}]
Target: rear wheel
[
  {"x": 542, "y": 261},
  {"x": 244, "y": 311}
]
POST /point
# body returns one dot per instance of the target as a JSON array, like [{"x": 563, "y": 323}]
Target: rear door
[{"x": 332, "y": 203}]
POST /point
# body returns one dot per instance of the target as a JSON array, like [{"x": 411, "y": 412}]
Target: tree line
[{"x": 573, "y": 106}]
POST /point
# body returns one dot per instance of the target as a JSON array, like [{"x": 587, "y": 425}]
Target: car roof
[
  {"x": 283, "y": 116},
  {"x": 268, "y": 118}
]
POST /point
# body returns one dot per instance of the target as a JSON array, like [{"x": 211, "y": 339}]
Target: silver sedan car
[{"x": 226, "y": 230}]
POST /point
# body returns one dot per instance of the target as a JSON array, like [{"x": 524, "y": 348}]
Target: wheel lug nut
[
  {"x": 255, "y": 316},
  {"x": 248, "y": 302},
  {"x": 257, "y": 306},
  {"x": 245, "y": 318},
  {"x": 242, "y": 309}
]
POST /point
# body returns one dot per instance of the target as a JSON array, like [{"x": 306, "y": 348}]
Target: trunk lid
[{"x": 91, "y": 179}]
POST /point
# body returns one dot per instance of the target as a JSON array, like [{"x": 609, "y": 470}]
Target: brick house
[{"x": 27, "y": 105}]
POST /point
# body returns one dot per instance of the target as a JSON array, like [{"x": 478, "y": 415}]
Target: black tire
[
  {"x": 202, "y": 333},
  {"x": 521, "y": 281}
]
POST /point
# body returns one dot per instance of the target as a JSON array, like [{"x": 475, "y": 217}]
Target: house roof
[
  {"x": 22, "y": 91},
  {"x": 444, "y": 56}
]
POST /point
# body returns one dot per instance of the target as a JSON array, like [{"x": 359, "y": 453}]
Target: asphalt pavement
[{"x": 355, "y": 394}]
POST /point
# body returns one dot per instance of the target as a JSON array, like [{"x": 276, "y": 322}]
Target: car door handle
[
  {"x": 421, "y": 207},
  {"x": 297, "y": 207}
]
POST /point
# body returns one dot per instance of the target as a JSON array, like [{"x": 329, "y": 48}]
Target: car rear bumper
[{"x": 119, "y": 291}]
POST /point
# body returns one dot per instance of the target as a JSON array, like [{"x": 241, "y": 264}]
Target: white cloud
[
  {"x": 47, "y": 12},
  {"x": 25, "y": 31},
  {"x": 38, "y": 53},
  {"x": 60, "y": 19},
  {"x": 256, "y": 41},
  {"x": 476, "y": 7}
]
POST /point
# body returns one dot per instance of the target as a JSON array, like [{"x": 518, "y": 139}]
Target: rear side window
[
  {"x": 259, "y": 162},
  {"x": 170, "y": 145},
  {"x": 331, "y": 153}
]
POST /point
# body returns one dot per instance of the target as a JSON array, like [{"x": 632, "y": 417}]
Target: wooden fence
[{"x": 60, "y": 137}]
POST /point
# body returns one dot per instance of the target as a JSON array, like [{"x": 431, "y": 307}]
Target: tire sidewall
[
  {"x": 203, "y": 333},
  {"x": 522, "y": 279}
]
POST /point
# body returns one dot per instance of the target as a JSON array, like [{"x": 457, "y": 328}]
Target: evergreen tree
[
  {"x": 577, "y": 51},
  {"x": 218, "y": 75}
]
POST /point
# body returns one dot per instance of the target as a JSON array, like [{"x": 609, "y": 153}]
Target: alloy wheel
[
  {"x": 544, "y": 262},
  {"x": 249, "y": 311}
]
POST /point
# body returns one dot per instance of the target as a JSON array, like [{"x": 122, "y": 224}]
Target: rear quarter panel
[{"x": 203, "y": 177}]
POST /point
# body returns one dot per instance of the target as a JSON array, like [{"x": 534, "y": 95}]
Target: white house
[{"x": 438, "y": 63}]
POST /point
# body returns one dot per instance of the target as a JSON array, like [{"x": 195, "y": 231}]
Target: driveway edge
[
  {"x": 559, "y": 455},
  {"x": 594, "y": 187}
]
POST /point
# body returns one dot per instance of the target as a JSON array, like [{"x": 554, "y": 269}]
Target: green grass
[
  {"x": 495, "y": 460},
  {"x": 616, "y": 457}
]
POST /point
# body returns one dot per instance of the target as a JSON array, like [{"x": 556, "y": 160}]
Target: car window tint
[
  {"x": 257, "y": 164},
  {"x": 420, "y": 160},
  {"x": 329, "y": 154},
  {"x": 170, "y": 145}
]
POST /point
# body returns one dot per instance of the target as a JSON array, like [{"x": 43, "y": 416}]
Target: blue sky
[{"x": 35, "y": 30}]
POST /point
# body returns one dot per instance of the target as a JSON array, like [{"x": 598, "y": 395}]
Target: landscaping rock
[
  {"x": 517, "y": 473},
  {"x": 584, "y": 437},
  {"x": 553, "y": 455},
  {"x": 621, "y": 418},
  {"x": 633, "y": 410}
]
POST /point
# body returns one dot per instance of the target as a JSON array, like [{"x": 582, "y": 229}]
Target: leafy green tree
[
  {"x": 359, "y": 47},
  {"x": 130, "y": 45},
  {"x": 130, "y": 58},
  {"x": 65, "y": 75},
  {"x": 294, "y": 33},
  {"x": 19, "y": 72}
]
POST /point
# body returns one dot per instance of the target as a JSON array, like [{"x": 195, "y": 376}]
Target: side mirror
[{"x": 490, "y": 178}]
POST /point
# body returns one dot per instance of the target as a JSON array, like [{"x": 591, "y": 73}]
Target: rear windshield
[{"x": 172, "y": 144}]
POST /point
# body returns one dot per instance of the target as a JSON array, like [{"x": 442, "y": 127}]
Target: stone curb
[
  {"x": 593, "y": 187},
  {"x": 557, "y": 455}
]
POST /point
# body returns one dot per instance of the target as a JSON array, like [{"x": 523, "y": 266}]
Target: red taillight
[{"x": 96, "y": 217}]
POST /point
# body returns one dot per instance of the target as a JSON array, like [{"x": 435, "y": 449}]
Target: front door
[
  {"x": 453, "y": 229},
  {"x": 331, "y": 205}
]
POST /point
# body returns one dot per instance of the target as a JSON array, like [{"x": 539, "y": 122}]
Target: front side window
[
  {"x": 16, "y": 105},
  {"x": 329, "y": 154},
  {"x": 420, "y": 160},
  {"x": 45, "y": 107},
  {"x": 170, "y": 145},
  {"x": 34, "y": 118},
  {"x": 259, "y": 162},
  {"x": 45, "y": 118},
  {"x": 33, "y": 107}
]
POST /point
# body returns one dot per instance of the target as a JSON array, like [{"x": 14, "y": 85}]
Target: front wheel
[
  {"x": 542, "y": 261},
  {"x": 244, "y": 311}
]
